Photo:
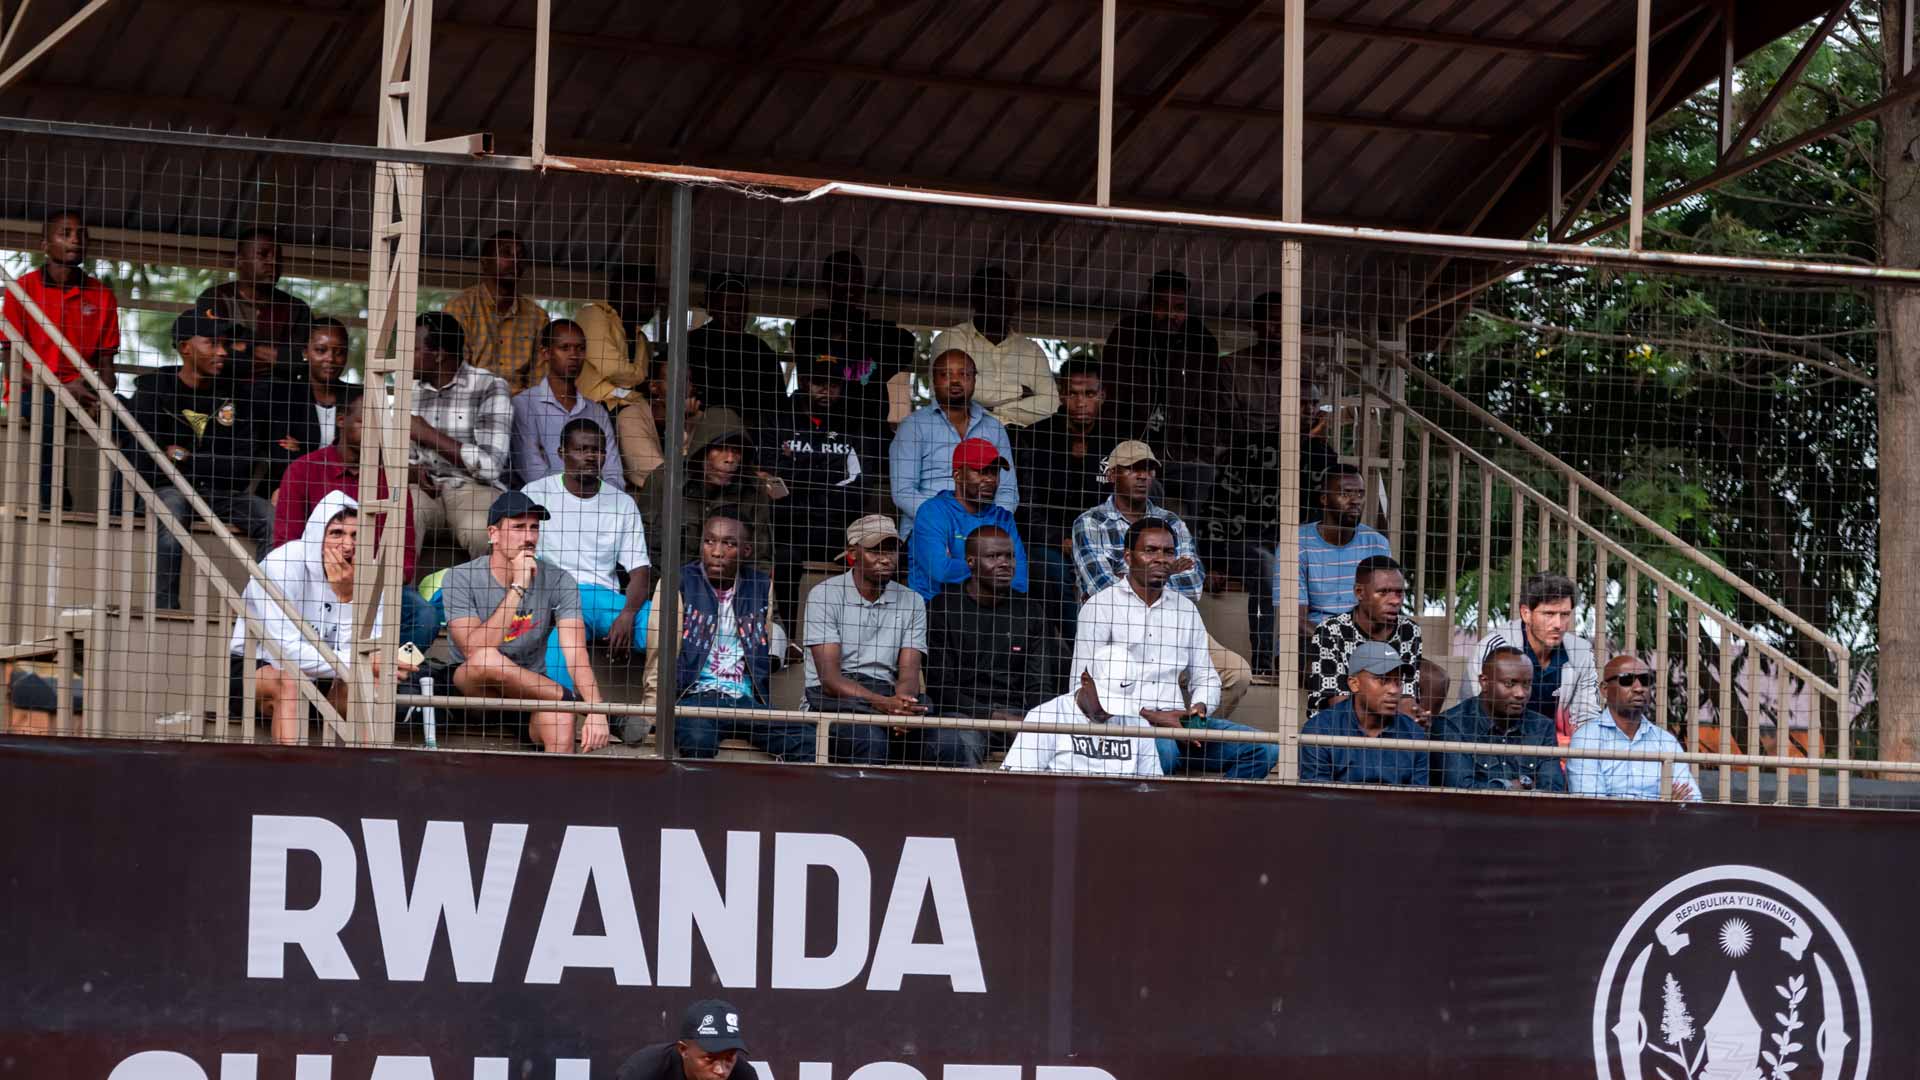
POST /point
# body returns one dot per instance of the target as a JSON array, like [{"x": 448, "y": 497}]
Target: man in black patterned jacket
[{"x": 1380, "y": 595}]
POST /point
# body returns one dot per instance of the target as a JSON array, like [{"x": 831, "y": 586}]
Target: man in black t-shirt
[
  {"x": 209, "y": 427},
  {"x": 864, "y": 352},
  {"x": 1060, "y": 462},
  {"x": 989, "y": 654},
  {"x": 711, "y": 1047},
  {"x": 732, "y": 366},
  {"x": 828, "y": 462}
]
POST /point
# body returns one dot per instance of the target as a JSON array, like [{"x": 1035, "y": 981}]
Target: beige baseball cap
[
  {"x": 1130, "y": 453},
  {"x": 871, "y": 530}
]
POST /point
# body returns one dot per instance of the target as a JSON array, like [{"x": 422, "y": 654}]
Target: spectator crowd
[{"x": 1018, "y": 548}]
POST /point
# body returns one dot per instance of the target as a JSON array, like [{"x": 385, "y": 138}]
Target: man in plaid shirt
[
  {"x": 1099, "y": 543},
  {"x": 1380, "y": 592},
  {"x": 502, "y": 324},
  {"x": 462, "y": 436}
]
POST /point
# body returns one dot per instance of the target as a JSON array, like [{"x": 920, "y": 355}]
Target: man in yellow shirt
[
  {"x": 502, "y": 326},
  {"x": 617, "y": 350}
]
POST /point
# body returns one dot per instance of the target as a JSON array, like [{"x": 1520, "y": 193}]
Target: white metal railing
[
  {"x": 18, "y": 514},
  {"x": 1462, "y": 476}
]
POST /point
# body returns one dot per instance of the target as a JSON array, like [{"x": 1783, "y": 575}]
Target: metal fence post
[{"x": 674, "y": 474}]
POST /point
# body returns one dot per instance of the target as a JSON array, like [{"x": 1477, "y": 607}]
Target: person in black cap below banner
[
  {"x": 500, "y": 609},
  {"x": 711, "y": 1047}
]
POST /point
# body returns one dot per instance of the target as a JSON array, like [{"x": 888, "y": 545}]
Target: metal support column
[
  {"x": 1642, "y": 37},
  {"x": 1557, "y": 199},
  {"x": 667, "y": 615},
  {"x": 542, "y": 57},
  {"x": 1103, "y": 182},
  {"x": 1727, "y": 58},
  {"x": 393, "y": 281},
  {"x": 1286, "y": 615}
]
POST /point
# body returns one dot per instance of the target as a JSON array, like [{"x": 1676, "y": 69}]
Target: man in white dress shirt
[{"x": 1161, "y": 631}]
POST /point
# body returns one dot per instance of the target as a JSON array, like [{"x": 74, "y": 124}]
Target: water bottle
[{"x": 426, "y": 714}]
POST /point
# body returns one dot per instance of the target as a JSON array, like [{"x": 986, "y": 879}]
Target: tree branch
[{"x": 1846, "y": 371}]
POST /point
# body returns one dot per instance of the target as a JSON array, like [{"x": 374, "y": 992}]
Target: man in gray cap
[
  {"x": 1376, "y": 675},
  {"x": 711, "y": 1047}
]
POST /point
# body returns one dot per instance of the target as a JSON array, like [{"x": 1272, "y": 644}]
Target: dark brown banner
[{"x": 224, "y": 913}]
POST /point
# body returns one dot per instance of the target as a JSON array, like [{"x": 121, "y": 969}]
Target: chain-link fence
[{"x": 940, "y": 484}]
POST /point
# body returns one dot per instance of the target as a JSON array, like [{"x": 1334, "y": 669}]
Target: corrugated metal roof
[{"x": 1419, "y": 111}]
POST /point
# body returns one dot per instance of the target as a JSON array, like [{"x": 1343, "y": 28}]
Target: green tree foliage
[{"x": 1738, "y": 413}]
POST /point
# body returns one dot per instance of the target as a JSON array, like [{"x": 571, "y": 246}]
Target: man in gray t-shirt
[
  {"x": 471, "y": 590},
  {"x": 500, "y": 610},
  {"x": 866, "y": 639}
]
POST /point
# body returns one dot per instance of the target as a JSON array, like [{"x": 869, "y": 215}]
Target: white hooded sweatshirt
[{"x": 297, "y": 568}]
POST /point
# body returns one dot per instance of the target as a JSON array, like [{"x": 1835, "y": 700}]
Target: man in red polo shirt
[{"x": 87, "y": 315}]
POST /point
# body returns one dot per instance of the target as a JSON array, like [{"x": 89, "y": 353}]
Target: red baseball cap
[{"x": 977, "y": 454}]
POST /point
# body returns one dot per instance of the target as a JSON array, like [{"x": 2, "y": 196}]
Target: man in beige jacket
[{"x": 619, "y": 361}]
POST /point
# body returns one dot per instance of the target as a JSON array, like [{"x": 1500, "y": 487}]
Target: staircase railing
[
  {"x": 23, "y": 446},
  {"x": 1460, "y": 476}
]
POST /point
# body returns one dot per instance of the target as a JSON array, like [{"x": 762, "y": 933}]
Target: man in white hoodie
[
  {"x": 1109, "y": 691},
  {"x": 316, "y": 574}
]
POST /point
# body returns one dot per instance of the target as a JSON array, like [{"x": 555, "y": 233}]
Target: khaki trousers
[{"x": 460, "y": 509}]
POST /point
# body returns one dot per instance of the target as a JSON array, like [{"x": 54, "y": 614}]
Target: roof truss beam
[
  {"x": 19, "y": 67},
  {"x": 1738, "y": 144},
  {"x": 1222, "y": 32}
]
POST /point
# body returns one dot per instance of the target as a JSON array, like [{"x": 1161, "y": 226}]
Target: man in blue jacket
[
  {"x": 725, "y": 658},
  {"x": 937, "y": 553},
  {"x": 1375, "y": 675},
  {"x": 1500, "y": 715}
]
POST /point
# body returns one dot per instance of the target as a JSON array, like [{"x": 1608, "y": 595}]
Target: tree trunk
[{"x": 1899, "y": 413}]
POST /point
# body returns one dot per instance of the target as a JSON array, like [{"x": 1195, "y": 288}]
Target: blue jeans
[
  {"x": 246, "y": 515},
  {"x": 419, "y": 620},
  {"x": 697, "y": 737},
  {"x": 599, "y": 606},
  {"x": 1233, "y": 760},
  {"x": 874, "y": 744},
  {"x": 1053, "y": 583}
]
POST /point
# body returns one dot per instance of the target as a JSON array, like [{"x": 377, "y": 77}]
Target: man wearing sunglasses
[{"x": 1627, "y": 724}]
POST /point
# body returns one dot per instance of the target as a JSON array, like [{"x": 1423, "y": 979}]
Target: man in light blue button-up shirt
[
  {"x": 922, "y": 454},
  {"x": 1626, "y": 724}
]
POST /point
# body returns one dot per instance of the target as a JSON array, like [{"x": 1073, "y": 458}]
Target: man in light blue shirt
[
  {"x": 1625, "y": 724},
  {"x": 921, "y": 457},
  {"x": 1331, "y": 548}
]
